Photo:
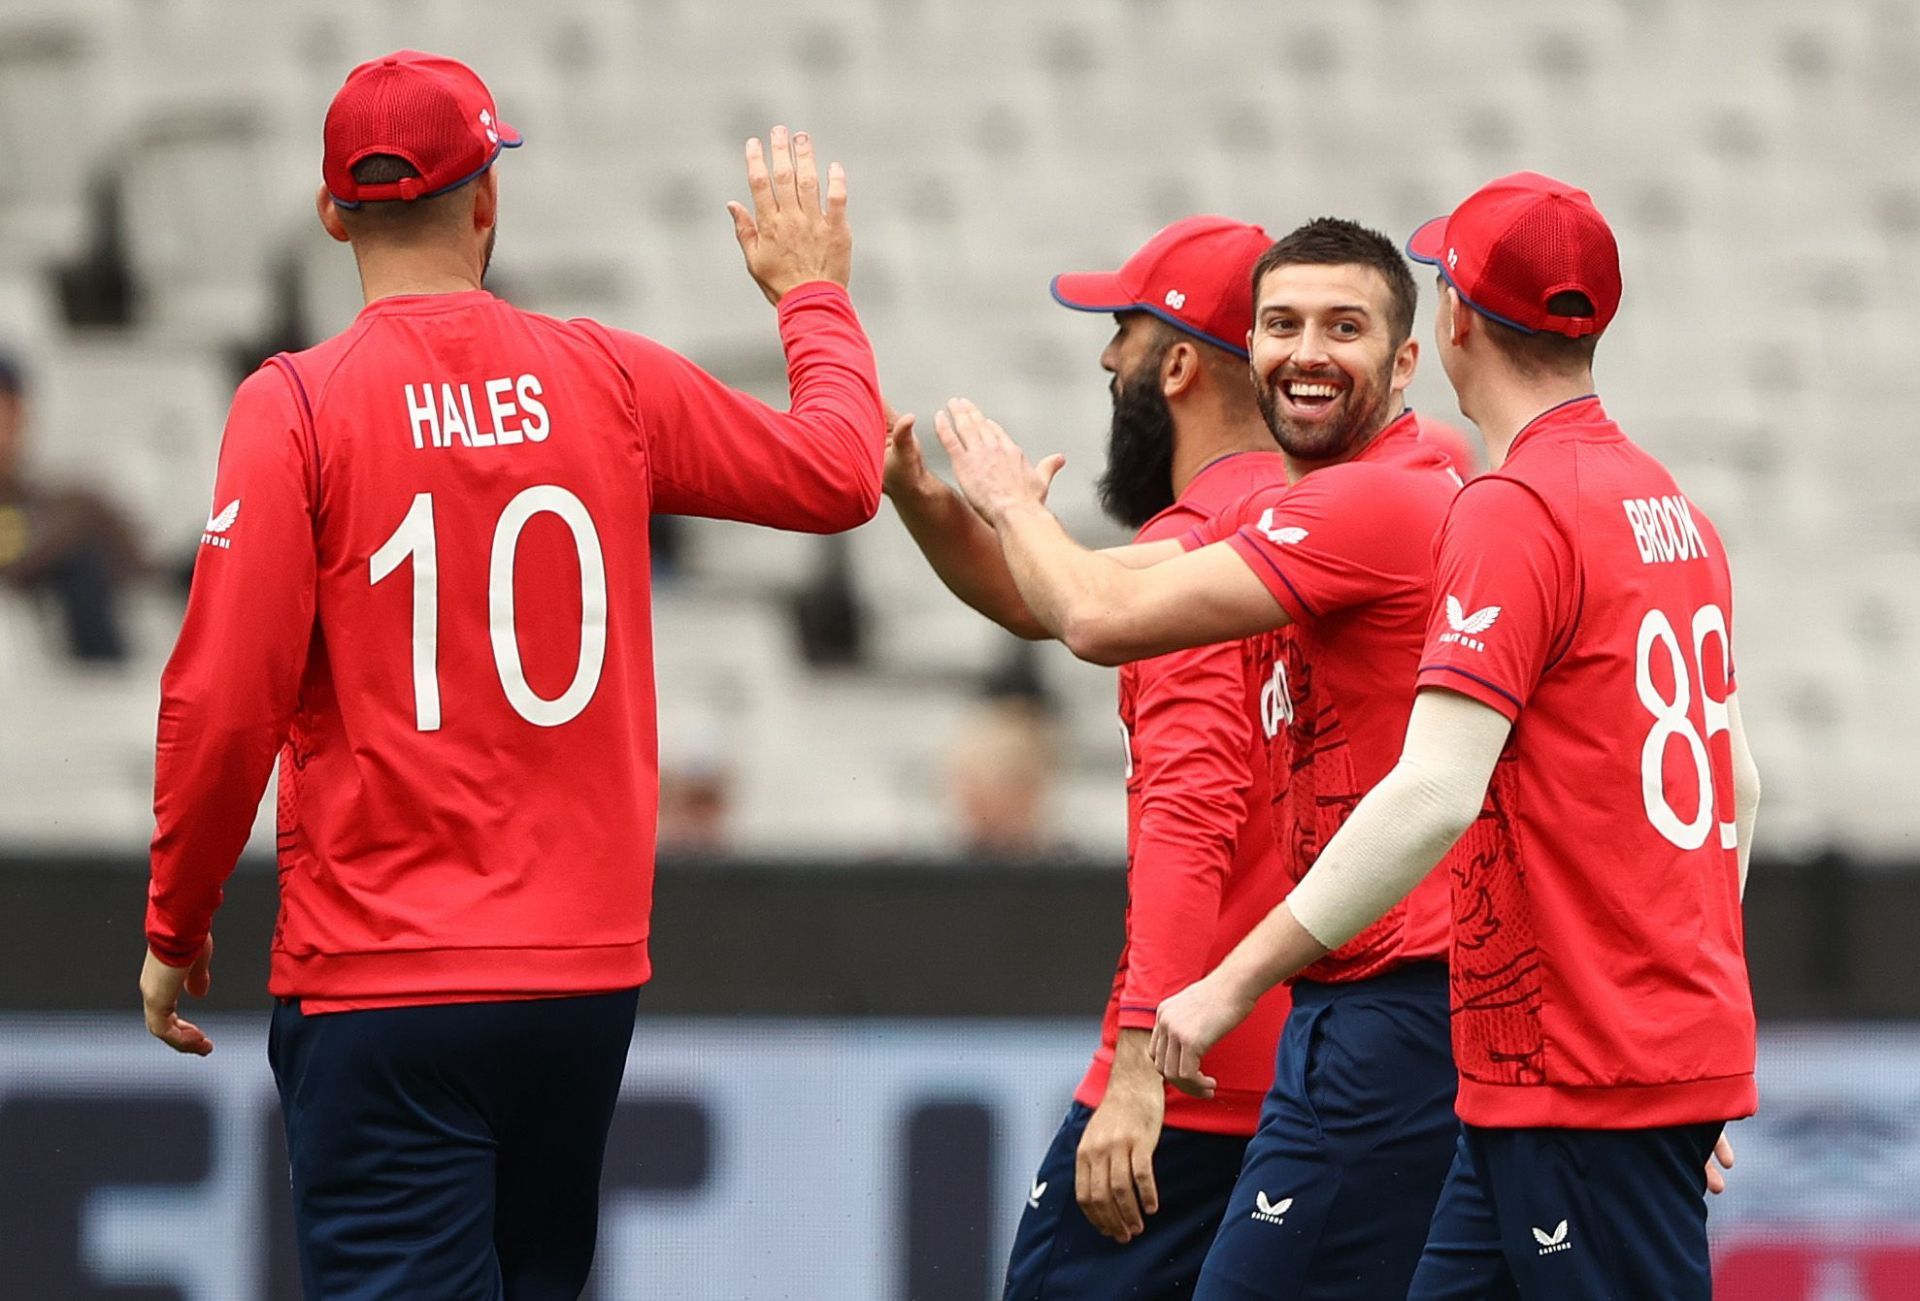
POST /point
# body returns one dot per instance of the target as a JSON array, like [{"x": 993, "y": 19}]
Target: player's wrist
[
  {"x": 1014, "y": 509},
  {"x": 915, "y": 490},
  {"x": 1240, "y": 979},
  {"x": 789, "y": 287},
  {"x": 171, "y": 958},
  {"x": 1133, "y": 1071}
]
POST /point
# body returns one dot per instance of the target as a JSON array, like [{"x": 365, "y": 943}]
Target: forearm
[
  {"x": 835, "y": 388},
  {"x": 722, "y": 454},
  {"x": 1133, "y": 1066},
  {"x": 964, "y": 553},
  {"x": 1393, "y": 838},
  {"x": 220, "y": 730},
  {"x": 1066, "y": 587},
  {"x": 1175, "y": 885}
]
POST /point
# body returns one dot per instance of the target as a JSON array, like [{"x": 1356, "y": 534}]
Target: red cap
[
  {"x": 1196, "y": 275},
  {"x": 1516, "y": 242},
  {"x": 432, "y": 111}
]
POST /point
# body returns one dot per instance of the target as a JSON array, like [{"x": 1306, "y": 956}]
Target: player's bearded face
[
  {"x": 1323, "y": 357},
  {"x": 1138, "y": 483},
  {"x": 1311, "y": 424}
]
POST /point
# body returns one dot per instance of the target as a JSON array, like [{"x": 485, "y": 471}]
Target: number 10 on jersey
[{"x": 415, "y": 539}]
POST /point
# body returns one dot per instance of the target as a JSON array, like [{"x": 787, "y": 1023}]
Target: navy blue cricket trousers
[
  {"x": 1059, "y": 1256},
  {"x": 451, "y": 1151},
  {"x": 1572, "y": 1215},
  {"x": 1340, "y": 1180}
]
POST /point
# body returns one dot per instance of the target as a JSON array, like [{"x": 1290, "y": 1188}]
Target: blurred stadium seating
[{"x": 1755, "y": 158}]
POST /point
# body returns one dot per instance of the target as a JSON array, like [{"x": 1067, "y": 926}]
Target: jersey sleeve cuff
[
  {"x": 1272, "y": 576},
  {"x": 807, "y": 291},
  {"x": 1138, "y": 1016},
  {"x": 171, "y": 952},
  {"x": 1472, "y": 686}
]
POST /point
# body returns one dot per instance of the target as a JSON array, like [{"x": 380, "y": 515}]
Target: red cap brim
[
  {"x": 509, "y": 138},
  {"x": 1093, "y": 291},
  {"x": 1428, "y": 243}
]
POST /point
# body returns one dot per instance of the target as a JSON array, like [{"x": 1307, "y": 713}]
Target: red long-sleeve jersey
[
  {"x": 1202, "y": 864},
  {"x": 424, "y": 586}
]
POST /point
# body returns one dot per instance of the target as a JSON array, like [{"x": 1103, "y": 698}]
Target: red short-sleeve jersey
[
  {"x": 1202, "y": 867},
  {"x": 1599, "y": 969},
  {"x": 1348, "y": 553},
  {"x": 424, "y": 586}
]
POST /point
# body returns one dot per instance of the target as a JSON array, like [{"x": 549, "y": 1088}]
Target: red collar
[{"x": 1574, "y": 411}]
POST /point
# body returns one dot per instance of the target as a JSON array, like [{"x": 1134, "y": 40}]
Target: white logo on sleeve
[
  {"x": 1466, "y": 627},
  {"x": 1034, "y": 1195},
  {"x": 1282, "y": 535},
  {"x": 1270, "y": 1212},
  {"x": 1552, "y": 1242},
  {"x": 1175, "y": 299},
  {"x": 219, "y": 525}
]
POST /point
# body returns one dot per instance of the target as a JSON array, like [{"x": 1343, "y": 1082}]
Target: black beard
[
  {"x": 1329, "y": 442},
  {"x": 1138, "y": 483}
]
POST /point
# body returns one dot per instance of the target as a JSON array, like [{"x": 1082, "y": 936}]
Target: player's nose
[{"x": 1310, "y": 348}]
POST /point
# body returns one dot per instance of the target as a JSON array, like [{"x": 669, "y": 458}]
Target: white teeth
[{"x": 1313, "y": 390}]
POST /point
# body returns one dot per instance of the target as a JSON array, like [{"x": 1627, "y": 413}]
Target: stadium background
[{"x": 862, "y": 1033}]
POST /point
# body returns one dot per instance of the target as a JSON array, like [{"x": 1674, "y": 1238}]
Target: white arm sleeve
[
  {"x": 1399, "y": 831},
  {"x": 1746, "y": 787}
]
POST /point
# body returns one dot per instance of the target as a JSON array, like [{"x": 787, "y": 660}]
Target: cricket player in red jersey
[
  {"x": 1149, "y": 1167},
  {"x": 424, "y": 589},
  {"x": 1357, "y": 1132},
  {"x": 1577, "y": 700}
]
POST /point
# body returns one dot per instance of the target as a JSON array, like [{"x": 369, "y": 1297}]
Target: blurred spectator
[
  {"x": 1001, "y": 774},
  {"x": 696, "y": 791},
  {"x": 97, "y": 288},
  {"x": 65, "y": 545},
  {"x": 828, "y": 615}
]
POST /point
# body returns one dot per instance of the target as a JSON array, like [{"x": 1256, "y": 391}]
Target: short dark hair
[
  {"x": 394, "y": 216},
  {"x": 1331, "y": 241},
  {"x": 1546, "y": 353}
]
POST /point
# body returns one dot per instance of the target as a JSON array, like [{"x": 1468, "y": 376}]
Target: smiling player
[
  {"x": 1577, "y": 678},
  {"x": 1356, "y": 1133}
]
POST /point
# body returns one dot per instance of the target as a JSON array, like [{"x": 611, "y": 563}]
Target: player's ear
[
  {"x": 1406, "y": 360},
  {"x": 1459, "y": 317},
  {"x": 486, "y": 200},
  {"x": 1178, "y": 369},
  {"x": 329, "y": 214}
]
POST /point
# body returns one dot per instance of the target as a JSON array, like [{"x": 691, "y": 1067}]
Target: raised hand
[
  {"x": 904, "y": 472},
  {"x": 994, "y": 474},
  {"x": 788, "y": 239}
]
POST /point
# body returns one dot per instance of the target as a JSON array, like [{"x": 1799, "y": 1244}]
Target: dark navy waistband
[{"x": 1426, "y": 976}]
